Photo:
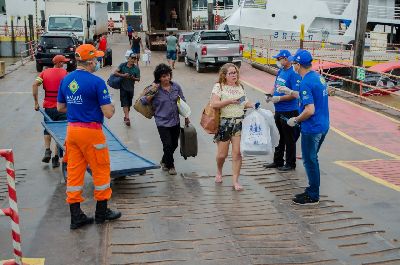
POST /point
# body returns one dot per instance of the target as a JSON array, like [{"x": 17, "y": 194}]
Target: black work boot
[
  {"x": 47, "y": 156},
  {"x": 55, "y": 161},
  {"x": 78, "y": 218},
  {"x": 103, "y": 213}
]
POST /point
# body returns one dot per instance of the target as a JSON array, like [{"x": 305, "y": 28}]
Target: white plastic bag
[
  {"x": 145, "y": 57},
  {"x": 255, "y": 138},
  {"x": 183, "y": 108},
  {"x": 273, "y": 130}
]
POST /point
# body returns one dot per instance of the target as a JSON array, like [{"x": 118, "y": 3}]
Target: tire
[
  {"x": 187, "y": 62},
  {"x": 199, "y": 66},
  {"x": 238, "y": 64},
  {"x": 71, "y": 68},
  {"x": 39, "y": 67}
]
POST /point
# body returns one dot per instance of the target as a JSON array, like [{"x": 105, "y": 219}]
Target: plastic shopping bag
[
  {"x": 183, "y": 108},
  {"x": 273, "y": 130},
  {"x": 145, "y": 57},
  {"x": 255, "y": 139}
]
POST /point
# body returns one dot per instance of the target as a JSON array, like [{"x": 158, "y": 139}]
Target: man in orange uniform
[
  {"x": 50, "y": 79},
  {"x": 86, "y": 100}
]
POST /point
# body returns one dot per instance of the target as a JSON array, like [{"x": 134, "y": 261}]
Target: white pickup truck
[{"x": 213, "y": 47}]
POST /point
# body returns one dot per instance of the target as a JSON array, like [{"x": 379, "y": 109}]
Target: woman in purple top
[{"x": 163, "y": 99}]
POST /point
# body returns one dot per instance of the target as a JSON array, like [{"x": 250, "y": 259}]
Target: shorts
[
  {"x": 126, "y": 98},
  {"x": 228, "y": 127},
  {"x": 136, "y": 50},
  {"x": 171, "y": 55},
  {"x": 54, "y": 115}
]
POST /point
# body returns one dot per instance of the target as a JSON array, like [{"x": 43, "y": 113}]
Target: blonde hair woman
[{"x": 229, "y": 96}]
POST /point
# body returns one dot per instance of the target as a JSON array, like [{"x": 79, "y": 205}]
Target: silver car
[
  {"x": 213, "y": 48},
  {"x": 183, "y": 40}
]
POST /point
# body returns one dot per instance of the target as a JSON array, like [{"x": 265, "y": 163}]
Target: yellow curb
[
  {"x": 28, "y": 261},
  {"x": 367, "y": 175}
]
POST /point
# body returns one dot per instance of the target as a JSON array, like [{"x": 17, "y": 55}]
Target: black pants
[
  {"x": 288, "y": 139},
  {"x": 169, "y": 137}
]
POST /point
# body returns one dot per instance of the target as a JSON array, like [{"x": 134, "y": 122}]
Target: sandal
[
  {"x": 127, "y": 121},
  {"x": 237, "y": 187},
  {"x": 218, "y": 179}
]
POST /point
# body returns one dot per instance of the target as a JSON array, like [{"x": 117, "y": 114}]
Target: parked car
[
  {"x": 183, "y": 40},
  {"x": 213, "y": 48},
  {"x": 51, "y": 44}
]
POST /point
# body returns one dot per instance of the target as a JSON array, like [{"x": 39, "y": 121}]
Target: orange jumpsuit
[{"x": 87, "y": 146}]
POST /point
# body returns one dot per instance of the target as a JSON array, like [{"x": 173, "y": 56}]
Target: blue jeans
[{"x": 310, "y": 145}]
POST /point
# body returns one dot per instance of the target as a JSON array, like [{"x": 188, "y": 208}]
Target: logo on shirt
[
  {"x": 73, "y": 86},
  {"x": 75, "y": 99},
  {"x": 322, "y": 80},
  {"x": 304, "y": 92},
  {"x": 105, "y": 91}
]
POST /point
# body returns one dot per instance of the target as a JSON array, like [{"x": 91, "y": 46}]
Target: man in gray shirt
[{"x": 172, "y": 44}]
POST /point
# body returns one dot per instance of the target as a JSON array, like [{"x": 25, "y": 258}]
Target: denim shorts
[
  {"x": 171, "y": 55},
  {"x": 228, "y": 127}
]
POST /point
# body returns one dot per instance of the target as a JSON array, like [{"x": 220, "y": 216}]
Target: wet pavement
[{"x": 188, "y": 219}]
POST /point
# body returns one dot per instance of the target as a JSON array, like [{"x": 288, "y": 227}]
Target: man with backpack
[{"x": 130, "y": 73}]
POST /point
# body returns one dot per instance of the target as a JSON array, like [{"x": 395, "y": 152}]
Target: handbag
[
  {"x": 183, "y": 108},
  {"x": 146, "y": 110},
  {"x": 114, "y": 81},
  {"x": 210, "y": 119}
]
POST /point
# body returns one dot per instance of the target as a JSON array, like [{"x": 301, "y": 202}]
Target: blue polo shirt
[
  {"x": 313, "y": 90},
  {"x": 84, "y": 93},
  {"x": 288, "y": 78}
]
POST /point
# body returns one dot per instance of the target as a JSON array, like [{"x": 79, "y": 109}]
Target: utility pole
[
  {"x": 359, "y": 42},
  {"x": 210, "y": 8}
]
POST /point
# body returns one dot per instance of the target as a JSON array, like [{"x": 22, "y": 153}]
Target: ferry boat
[{"x": 324, "y": 20}]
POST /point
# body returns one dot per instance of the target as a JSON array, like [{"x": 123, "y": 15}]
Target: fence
[
  {"x": 262, "y": 50},
  {"x": 27, "y": 51}
]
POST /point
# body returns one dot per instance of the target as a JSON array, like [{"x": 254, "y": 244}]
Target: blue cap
[
  {"x": 282, "y": 53},
  {"x": 303, "y": 57}
]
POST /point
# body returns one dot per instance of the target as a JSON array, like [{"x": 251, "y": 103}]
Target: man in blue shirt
[
  {"x": 86, "y": 100},
  {"x": 286, "y": 107},
  {"x": 314, "y": 119}
]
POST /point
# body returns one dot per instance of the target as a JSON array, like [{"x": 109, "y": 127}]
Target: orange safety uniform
[{"x": 84, "y": 94}]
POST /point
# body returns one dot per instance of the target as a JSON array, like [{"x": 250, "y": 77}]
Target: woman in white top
[{"x": 229, "y": 96}]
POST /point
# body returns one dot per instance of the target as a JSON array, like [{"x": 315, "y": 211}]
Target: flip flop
[
  {"x": 237, "y": 187},
  {"x": 218, "y": 179}
]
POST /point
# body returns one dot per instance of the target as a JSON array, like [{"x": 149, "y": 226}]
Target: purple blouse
[{"x": 164, "y": 104}]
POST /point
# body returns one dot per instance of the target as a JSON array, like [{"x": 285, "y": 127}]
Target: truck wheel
[
  {"x": 238, "y": 64},
  {"x": 187, "y": 62},
  {"x": 39, "y": 67},
  {"x": 199, "y": 66}
]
